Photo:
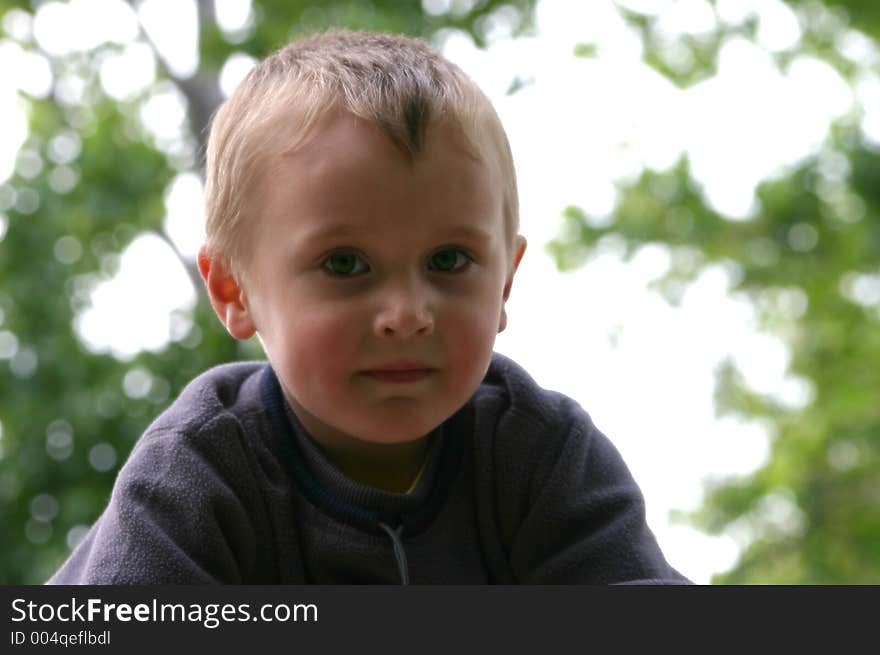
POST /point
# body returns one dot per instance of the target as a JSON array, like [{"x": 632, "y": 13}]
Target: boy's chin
[
  {"x": 392, "y": 439},
  {"x": 398, "y": 425}
]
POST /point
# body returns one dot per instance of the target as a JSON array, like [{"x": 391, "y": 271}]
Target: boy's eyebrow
[{"x": 351, "y": 229}]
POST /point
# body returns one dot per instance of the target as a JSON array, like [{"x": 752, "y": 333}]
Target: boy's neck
[{"x": 389, "y": 467}]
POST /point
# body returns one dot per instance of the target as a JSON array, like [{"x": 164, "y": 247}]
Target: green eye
[
  {"x": 448, "y": 260},
  {"x": 345, "y": 263}
]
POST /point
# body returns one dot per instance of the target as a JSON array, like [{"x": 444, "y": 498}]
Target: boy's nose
[{"x": 404, "y": 315}]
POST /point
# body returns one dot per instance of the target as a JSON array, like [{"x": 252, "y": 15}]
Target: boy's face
[{"x": 364, "y": 260}]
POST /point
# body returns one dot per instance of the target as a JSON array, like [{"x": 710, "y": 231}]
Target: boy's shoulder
[
  {"x": 518, "y": 423},
  {"x": 215, "y": 426},
  {"x": 226, "y": 391},
  {"x": 514, "y": 393}
]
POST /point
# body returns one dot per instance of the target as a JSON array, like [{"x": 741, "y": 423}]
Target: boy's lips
[
  {"x": 400, "y": 372},
  {"x": 400, "y": 366}
]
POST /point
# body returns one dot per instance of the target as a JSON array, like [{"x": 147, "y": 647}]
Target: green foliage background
[
  {"x": 73, "y": 400},
  {"x": 823, "y": 471}
]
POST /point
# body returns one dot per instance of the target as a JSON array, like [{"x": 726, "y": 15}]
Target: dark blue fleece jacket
[{"x": 226, "y": 487}]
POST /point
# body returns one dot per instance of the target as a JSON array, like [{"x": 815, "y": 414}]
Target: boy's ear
[
  {"x": 519, "y": 251},
  {"x": 226, "y": 296}
]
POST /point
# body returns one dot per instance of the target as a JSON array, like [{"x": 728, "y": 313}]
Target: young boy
[{"x": 362, "y": 221}]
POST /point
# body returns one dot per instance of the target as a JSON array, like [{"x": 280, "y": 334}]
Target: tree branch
[
  {"x": 203, "y": 96},
  {"x": 192, "y": 269},
  {"x": 202, "y": 90}
]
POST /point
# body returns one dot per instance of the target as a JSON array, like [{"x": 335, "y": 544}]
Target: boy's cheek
[
  {"x": 301, "y": 342},
  {"x": 470, "y": 343},
  {"x": 320, "y": 343},
  {"x": 334, "y": 342}
]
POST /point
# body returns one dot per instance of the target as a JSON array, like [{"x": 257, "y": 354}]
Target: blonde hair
[{"x": 399, "y": 83}]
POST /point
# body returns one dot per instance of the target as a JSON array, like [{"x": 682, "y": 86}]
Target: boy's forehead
[
  {"x": 349, "y": 167},
  {"x": 320, "y": 230},
  {"x": 340, "y": 135}
]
